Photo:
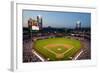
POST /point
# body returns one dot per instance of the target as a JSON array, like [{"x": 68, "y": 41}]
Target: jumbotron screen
[{"x": 35, "y": 27}]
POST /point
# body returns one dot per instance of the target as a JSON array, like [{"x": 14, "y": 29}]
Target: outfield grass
[{"x": 57, "y": 52}]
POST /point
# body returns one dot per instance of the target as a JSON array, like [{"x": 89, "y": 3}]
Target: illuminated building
[
  {"x": 78, "y": 25},
  {"x": 39, "y": 21},
  {"x": 30, "y": 21}
]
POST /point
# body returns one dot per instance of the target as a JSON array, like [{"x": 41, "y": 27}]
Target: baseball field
[{"x": 54, "y": 49}]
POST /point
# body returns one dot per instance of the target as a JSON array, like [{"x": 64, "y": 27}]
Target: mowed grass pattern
[{"x": 68, "y": 52}]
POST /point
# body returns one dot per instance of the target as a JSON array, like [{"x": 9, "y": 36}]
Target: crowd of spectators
[{"x": 28, "y": 56}]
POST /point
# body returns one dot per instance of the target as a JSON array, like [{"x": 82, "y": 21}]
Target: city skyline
[{"x": 58, "y": 19}]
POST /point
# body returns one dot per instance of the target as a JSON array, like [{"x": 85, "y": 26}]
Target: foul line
[
  {"x": 75, "y": 58},
  {"x": 38, "y": 56},
  {"x": 68, "y": 50},
  {"x": 51, "y": 51},
  {"x": 56, "y": 53}
]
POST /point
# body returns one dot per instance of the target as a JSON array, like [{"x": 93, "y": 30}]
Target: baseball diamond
[
  {"x": 58, "y": 48},
  {"x": 56, "y": 35}
]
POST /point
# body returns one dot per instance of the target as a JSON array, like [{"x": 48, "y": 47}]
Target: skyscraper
[
  {"x": 30, "y": 21},
  {"x": 39, "y": 21},
  {"x": 78, "y": 25}
]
